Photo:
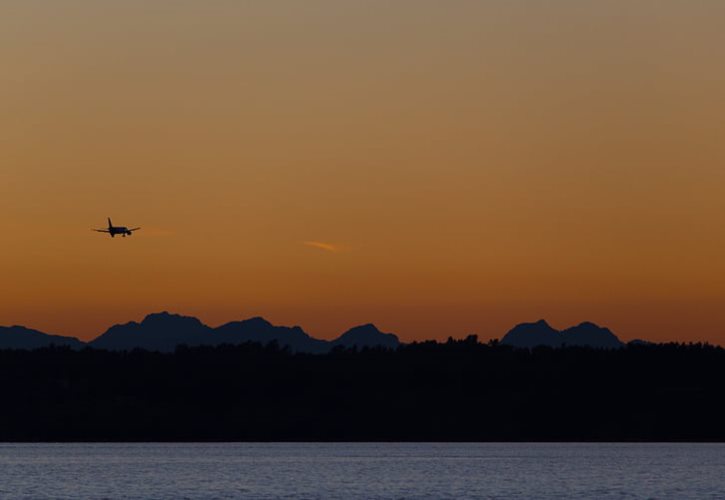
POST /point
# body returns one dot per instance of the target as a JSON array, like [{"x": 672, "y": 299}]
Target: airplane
[{"x": 114, "y": 230}]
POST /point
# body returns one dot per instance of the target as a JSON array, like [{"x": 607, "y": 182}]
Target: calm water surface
[{"x": 342, "y": 470}]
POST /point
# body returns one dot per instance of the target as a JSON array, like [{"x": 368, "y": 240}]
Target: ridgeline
[{"x": 164, "y": 332}]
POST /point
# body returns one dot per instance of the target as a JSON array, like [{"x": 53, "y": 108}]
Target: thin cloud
[{"x": 321, "y": 245}]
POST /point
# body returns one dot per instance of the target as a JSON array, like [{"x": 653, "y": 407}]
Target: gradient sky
[{"x": 436, "y": 167}]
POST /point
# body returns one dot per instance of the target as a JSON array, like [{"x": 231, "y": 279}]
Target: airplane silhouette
[{"x": 114, "y": 230}]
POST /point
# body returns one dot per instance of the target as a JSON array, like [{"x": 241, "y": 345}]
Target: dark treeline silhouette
[{"x": 459, "y": 390}]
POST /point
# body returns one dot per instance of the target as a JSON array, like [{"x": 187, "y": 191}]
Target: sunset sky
[{"x": 438, "y": 168}]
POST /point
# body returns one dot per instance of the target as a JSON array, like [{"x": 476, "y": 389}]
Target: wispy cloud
[{"x": 321, "y": 245}]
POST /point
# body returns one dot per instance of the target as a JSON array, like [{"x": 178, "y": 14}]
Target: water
[{"x": 368, "y": 470}]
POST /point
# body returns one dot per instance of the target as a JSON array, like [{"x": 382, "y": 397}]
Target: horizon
[
  {"x": 443, "y": 169},
  {"x": 439, "y": 338}
]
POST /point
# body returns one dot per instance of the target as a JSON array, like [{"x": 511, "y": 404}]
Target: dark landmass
[
  {"x": 453, "y": 391},
  {"x": 590, "y": 335},
  {"x": 19, "y": 337},
  {"x": 164, "y": 332},
  {"x": 366, "y": 336},
  {"x": 157, "y": 332},
  {"x": 262, "y": 331},
  {"x": 530, "y": 335}
]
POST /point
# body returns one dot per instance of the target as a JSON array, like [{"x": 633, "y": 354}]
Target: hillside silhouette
[
  {"x": 533, "y": 335},
  {"x": 429, "y": 391},
  {"x": 19, "y": 337},
  {"x": 530, "y": 335},
  {"x": 366, "y": 336},
  {"x": 590, "y": 335},
  {"x": 164, "y": 332},
  {"x": 262, "y": 331},
  {"x": 157, "y": 332}
]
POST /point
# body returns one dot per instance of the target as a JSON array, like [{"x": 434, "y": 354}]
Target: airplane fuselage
[{"x": 122, "y": 230}]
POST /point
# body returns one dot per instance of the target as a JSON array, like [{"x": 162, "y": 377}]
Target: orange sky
[{"x": 438, "y": 168}]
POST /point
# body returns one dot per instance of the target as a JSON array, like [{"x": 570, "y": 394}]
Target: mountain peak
[
  {"x": 260, "y": 330},
  {"x": 161, "y": 331},
  {"x": 256, "y": 322},
  {"x": 587, "y": 325},
  {"x": 539, "y": 333},
  {"x": 367, "y": 335},
  {"x": 166, "y": 317},
  {"x": 590, "y": 335},
  {"x": 366, "y": 328}
]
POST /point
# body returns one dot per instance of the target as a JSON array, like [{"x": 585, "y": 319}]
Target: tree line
[{"x": 460, "y": 390}]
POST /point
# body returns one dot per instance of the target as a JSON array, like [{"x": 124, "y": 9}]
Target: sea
[{"x": 361, "y": 470}]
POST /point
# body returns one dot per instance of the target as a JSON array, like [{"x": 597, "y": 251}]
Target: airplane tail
[{"x": 110, "y": 225}]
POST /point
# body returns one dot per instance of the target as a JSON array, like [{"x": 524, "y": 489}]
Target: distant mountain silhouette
[
  {"x": 530, "y": 335},
  {"x": 366, "y": 336},
  {"x": 19, "y": 337},
  {"x": 590, "y": 335},
  {"x": 636, "y": 342},
  {"x": 157, "y": 332},
  {"x": 533, "y": 335},
  {"x": 262, "y": 331},
  {"x": 165, "y": 331}
]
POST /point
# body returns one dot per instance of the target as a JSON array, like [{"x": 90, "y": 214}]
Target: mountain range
[
  {"x": 165, "y": 331},
  {"x": 529, "y": 335}
]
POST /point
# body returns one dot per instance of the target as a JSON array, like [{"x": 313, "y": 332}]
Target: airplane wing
[
  {"x": 101, "y": 230},
  {"x": 134, "y": 229}
]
